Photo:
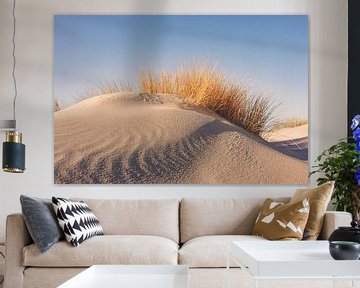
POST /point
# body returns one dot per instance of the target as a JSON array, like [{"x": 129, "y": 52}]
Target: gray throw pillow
[{"x": 41, "y": 221}]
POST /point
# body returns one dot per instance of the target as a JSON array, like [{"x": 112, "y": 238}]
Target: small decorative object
[
  {"x": 344, "y": 250},
  {"x": 341, "y": 163},
  {"x": 351, "y": 233}
]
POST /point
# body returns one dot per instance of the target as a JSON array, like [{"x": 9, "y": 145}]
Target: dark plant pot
[
  {"x": 343, "y": 250},
  {"x": 350, "y": 234}
]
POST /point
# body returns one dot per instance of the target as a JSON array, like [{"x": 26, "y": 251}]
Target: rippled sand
[{"x": 152, "y": 139}]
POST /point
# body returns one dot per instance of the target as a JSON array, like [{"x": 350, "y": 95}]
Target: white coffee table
[
  {"x": 292, "y": 260},
  {"x": 131, "y": 276}
]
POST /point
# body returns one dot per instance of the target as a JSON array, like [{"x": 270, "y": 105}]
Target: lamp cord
[{"x": 14, "y": 61}]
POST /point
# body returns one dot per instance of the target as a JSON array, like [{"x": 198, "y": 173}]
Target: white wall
[{"x": 328, "y": 67}]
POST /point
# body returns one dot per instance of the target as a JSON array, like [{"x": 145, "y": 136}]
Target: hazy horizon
[{"x": 269, "y": 52}]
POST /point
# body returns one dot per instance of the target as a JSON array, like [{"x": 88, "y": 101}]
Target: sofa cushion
[
  {"x": 158, "y": 217},
  {"x": 279, "y": 221},
  {"x": 319, "y": 198},
  {"x": 211, "y": 251},
  {"x": 76, "y": 220},
  {"x": 41, "y": 221},
  {"x": 108, "y": 249},
  {"x": 201, "y": 217},
  {"x": 35, "y": 277}
]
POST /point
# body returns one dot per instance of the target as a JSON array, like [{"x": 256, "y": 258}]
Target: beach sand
[{"x": 129, "y": 138}]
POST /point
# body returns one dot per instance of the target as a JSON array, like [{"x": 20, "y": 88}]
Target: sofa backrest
[
  {"x": 200, "y": 217},
  {"x": 159, "y": 217}
]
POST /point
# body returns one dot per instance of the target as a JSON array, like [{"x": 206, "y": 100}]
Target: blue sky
[{"x": 268, "y": 52}]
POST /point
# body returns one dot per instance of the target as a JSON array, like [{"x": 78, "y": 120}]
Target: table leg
[
  {"x": 255, "y": 283},
  {"x": 340, "y": 283},
  {"x": 355, "y": 283}
]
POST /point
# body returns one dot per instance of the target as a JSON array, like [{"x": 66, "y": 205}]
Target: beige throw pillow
[
  {"x": 319, "y": 198},
  {"x": 279, "y": 221}
]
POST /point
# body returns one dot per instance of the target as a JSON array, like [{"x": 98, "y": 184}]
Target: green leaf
[{"x": 338, "y": 163}]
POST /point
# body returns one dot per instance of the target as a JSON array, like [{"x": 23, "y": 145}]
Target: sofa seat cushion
[
  {"x": 211, "y": 251},
  {"x": 108, "y": 249}
]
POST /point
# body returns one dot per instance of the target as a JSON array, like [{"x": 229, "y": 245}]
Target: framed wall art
[{"x": 181, "y": 99}]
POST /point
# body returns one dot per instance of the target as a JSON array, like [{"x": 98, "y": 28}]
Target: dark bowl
[{"x": 343, "y": 250}]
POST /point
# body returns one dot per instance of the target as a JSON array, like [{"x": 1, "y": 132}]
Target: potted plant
[{"x": 341, "y": 163}]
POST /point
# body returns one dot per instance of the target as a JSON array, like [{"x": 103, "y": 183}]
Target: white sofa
[{"x": 194, "y": 232}]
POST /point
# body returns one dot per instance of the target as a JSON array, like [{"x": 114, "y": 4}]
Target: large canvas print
[{"x": 181, "y": 99}]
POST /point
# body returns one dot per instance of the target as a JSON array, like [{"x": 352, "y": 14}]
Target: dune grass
[
  {"x": 110, "y": 87},
  {"x": 57, "y": 105},
  {"x": 103, "y": 88},
  {"x": 291, "y": 123},
  {"x": 206, "y": 87},
  {"x": 203, "y": 86}
]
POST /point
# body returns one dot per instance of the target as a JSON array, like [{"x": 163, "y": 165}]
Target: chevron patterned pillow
[{"x": 77, "y": 220}]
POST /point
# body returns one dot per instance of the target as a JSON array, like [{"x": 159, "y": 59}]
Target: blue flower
[
  {"x": 355, "y": 122},
  {"x": 357, "y": 176},
  {"x": 356, "y": 134},
  {"x": 357, "y": 147}
]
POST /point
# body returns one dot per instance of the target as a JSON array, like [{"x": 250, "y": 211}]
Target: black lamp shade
[{"x": 13, "y": 157}]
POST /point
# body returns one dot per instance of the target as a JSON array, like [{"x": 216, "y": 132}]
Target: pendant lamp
[{"x": 13, "y": 160}]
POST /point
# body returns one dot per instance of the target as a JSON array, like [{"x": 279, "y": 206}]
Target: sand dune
[
  {"x": 153, "y": 139},
  {"x": 291, "y": 141},
  {"x": 285, "y": 134}
]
